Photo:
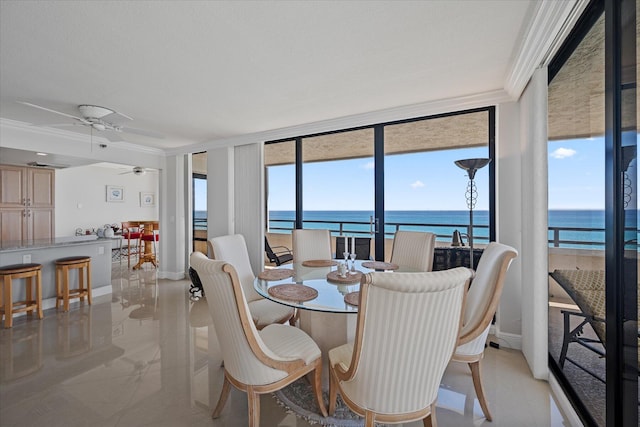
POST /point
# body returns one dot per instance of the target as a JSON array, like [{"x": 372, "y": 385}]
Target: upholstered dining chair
[
  {"x": 311, "y": 244},
  {"x": 233, "y": 249},
  {"x": 482, "y": 301},
  {"x": 413, "y": 249},
  {"x": 256, "y": 362},
  {"x": 406, "y": 331}
]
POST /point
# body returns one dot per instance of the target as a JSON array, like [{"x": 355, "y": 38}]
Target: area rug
[{"x": 298, "y": 398}]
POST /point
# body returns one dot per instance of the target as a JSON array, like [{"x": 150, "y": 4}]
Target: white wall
[
  {"x": 81, "y": 197},
  {"x": 534, "y": 214},
  {"x": 509, "y": 220}
]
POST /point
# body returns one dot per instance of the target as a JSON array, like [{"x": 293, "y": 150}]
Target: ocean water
[{"x": 443, "y": 223}]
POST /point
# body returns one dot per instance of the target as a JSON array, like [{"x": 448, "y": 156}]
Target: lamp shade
[{"x": 472, "y": 165}]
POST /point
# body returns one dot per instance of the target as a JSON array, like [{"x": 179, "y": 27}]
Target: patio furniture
[
  {"x": 363, "y": 248},
  {"x": 277, "y": 254}
]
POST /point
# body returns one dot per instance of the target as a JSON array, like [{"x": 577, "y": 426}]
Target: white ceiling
[{"x": 198, "y": 71}]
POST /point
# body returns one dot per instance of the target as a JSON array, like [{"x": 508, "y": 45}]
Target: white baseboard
[
  {"x": 563, "y": 403},
  {"x": 513, "y": 341},
  {"x": 170, "y": 275}
]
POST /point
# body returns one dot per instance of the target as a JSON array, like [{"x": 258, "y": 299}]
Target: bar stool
[
  {"x": 63, "y": 265},
  {"x": 20, "y": 271}
]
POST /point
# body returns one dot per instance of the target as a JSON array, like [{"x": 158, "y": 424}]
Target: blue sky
[{"x": 431, "y": 181}]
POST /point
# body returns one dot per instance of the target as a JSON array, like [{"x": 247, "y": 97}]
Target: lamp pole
[{"x": 471, "y": 166}]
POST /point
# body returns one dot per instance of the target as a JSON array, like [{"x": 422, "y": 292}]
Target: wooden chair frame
[
  {"x": 289, "y": 318},
  {"x": 474, "y": 360},
  {"x": 338, "y": 373},
  {"x": 295, "y": 369}
]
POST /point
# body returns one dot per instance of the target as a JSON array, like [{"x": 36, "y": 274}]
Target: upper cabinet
[{"x": 27, "y": 203}]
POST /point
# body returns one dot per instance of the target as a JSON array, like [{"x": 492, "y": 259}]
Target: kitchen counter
[
  {"x": 47, "y": 243},
  {"x": 47, "y": 251}
]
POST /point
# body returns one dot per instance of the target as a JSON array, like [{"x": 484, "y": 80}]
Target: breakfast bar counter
[{"x": 47, "y": 251}]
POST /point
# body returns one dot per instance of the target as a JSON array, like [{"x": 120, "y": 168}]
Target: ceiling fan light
[
  {"x": 94, "y": 112},
  {"x": 98, "y": 126}
]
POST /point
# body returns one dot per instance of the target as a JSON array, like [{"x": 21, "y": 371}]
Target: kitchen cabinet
[{"x": 27, "y": 203}]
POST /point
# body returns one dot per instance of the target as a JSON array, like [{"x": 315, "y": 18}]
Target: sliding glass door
[
  {"x": 369, "y": 182},
  {"x": 593, "y": 230}
]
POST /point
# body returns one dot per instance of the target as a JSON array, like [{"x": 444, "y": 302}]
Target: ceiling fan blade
[
  {"x": 53, "y": 111},
  {"x": 122, "y": 115}
]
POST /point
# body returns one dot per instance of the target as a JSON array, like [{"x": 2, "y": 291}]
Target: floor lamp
[{"x": 471, "y": 166}]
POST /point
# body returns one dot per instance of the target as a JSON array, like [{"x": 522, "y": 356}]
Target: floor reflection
[{"x": 148, "y": 355}]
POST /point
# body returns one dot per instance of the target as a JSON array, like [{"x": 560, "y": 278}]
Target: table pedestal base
[{"x": 328, "y": 330}]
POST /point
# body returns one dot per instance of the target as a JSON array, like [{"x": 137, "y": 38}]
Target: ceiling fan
[
  {"x": 138, "y": 170},
  {"x": 96, "y": 117}
]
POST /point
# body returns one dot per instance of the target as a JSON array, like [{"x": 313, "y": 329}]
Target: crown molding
[
  {"x": 552, "y": 21},
  {"x": 73, "y": 137},
  {"x": 353, "y": 121}
]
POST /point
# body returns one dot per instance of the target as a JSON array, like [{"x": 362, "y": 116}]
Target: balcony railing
[{"x": 559, "y": 237}]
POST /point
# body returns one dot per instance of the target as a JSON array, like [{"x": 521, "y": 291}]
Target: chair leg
[
  {"x": 39, "y": 294},
  {"x": 226, "y": 388},
  {"x": 333, "y": 391},
  {"x": 431, "y": 420},
  {"x": 369, "y": 419},
  {"x": 477, "y": 384},
  {"x": 254, "y": 408},
  {"x": 8, "y": 302},
  {"x": 317, "y": 387}
]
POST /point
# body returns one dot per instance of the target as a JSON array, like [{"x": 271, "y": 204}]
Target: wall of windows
[
  {"x": 371, "y": 181},
  {"x": 593, "y": 251}
]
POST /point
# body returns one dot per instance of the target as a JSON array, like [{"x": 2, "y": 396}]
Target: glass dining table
[{"x": 326, "y": 317}]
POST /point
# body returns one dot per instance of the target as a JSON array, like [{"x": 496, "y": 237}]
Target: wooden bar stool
[
  {"x": 20, "y": 271},
  {"x": 63, "y": 293}
]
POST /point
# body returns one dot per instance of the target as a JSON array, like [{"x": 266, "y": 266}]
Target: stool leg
[
  {"x": 81, "y": 283},
  {"x": 89, "y": 282},
  {"x": 65, "y": 287},
  {"x": 8, "y": 302},
  {"x": 29, "y": 292},
  {"x": 58, "y": 290},
  {"x": 39, "y": 294}
]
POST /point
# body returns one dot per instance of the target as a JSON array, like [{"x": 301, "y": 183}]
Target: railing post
[
  {"x": 341, "y": 227},
  {"x": 556, "y": 237}
]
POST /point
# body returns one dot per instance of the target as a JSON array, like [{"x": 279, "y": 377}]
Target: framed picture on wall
[
  {"x": 147, "y": 199},
  {"x": 115, "y": 193}
]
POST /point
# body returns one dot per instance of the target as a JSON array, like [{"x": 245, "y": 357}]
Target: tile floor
[{"x": 144, "y": 355}]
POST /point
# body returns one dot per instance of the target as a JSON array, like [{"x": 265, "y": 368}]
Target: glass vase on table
[{"x": 353, "y": 263}]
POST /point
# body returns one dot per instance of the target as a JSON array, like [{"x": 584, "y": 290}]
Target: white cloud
[
  {"x": 369, "y": 165},
  {"x": 417, "y": 184},
  {"x": 563, "y": 153}
]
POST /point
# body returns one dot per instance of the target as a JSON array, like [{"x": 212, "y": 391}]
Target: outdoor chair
[
  {"x": 363, "y": 248},
  {"x": 277, "y": 254},
  {"x": 256, "y": 362},
  {"x": 587, "y": 289},
  {"x": 482, "y": 301},
  {"x": 407, "y": 328},
  {"x": 413, "y": 249},
  {"x": 311, "y": 245},
  {"x": 233, "y": 249}
]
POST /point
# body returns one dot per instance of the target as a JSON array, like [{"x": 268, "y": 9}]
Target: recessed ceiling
[{"x": 200, "y": 71}]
